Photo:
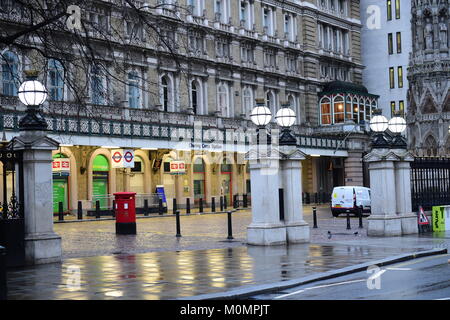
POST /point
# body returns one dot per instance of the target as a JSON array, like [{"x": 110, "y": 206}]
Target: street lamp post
[
  {"x": 379, "y": 124},
  {"x": 261, "y": 117},
  {"x": 42, "y": 244},
  {"x": 286, "y": 118},
  {"x": 32, "y": 93}
]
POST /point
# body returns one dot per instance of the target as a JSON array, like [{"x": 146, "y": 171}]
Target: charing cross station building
[{"x": 197, "y": 79}]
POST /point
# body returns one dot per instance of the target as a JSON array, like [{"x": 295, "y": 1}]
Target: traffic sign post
[{"x": 423, "y": 221}]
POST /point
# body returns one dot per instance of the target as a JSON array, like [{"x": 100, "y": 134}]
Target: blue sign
[{"x": 161, "y": 193}]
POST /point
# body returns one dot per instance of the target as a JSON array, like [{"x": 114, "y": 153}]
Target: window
[
  {"x": 269, "y": 20},
  {"x": 271, "y": 101},
  {"x": 221, "y": 10},
  {"x": 196, "y": 43},
  {"x": 10, "y": 67},
  {"x": 56, "y": 80},
  {"x": 222, "y": 100},
  {"x": 247, "y": 52},
  {"x": 270, "y": 58},
  {"x": 134, "y": 94},
  {"x": 134, "y": 31},
  {"x": 389, "y": 9},
  {"x": 393, "y": 107},
  {"x": 399, "y": 42},
  {"x": 166, "y": 93},
  {"x": 339, "y": 110},
  {"x": 325, "y": 108},
  {"x": 288, "y": 27},
  {"x": 195, "y": 96},
  {"x": 98, "y": 87},
  {"x": 247, "y": 100},
  {"x": 355, "y": 110},
  {"x": 397, "y": 9},
  {"x": 400, "y": 77},
  {"x": 291, "y": 63},
  {"x": 401, "y": 108},
  {"x": 222, "y": 48},
  {"x": 392, "y": 78},
  {"x": 390, "y": 44}
]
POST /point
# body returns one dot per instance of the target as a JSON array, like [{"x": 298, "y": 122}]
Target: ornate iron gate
[
  {"x": 430, "y": 182},
  {"x": 11, "y": 208}
]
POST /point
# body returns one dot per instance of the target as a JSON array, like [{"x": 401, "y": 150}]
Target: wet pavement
[{"x": 154, "y": 264}]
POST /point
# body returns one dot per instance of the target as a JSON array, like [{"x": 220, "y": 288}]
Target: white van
[{"x": 349, "y": 199}]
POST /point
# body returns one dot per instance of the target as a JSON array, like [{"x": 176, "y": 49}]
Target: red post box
[{"x": 125, "y": 208}]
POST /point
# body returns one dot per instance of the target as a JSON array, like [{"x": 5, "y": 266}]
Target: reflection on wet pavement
[{"x": 169, "y": 274}]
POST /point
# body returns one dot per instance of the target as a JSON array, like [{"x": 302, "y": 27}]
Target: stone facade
[{"x": 429, "y": 86}]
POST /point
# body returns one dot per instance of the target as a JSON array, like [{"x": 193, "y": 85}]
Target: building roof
[{"x": 335, "y": 87}]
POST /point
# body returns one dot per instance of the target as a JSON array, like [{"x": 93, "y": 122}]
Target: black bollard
[
  {"x": 316, "y": 201},
  {"x": 174, "y": 205},
  {"x": 245, "y": 200},
  {"x": 221, "y": 203},
  {"x": 213, "y": 204},
  {"x": 188, "y": 205},
  {"x": 281, "y": 204},
  {"x": 60, "y": 211},
  {"x": 80, "y": 211},
  {"x": 225, "y": 204},
  {"x": 360, "y": 211},
  {"x": 97, "y": 209},
  {"x": 235, "y": 201},
  {"x": 348, "y": 221},
  {"x": 160, "y": 206},
  {"x": 230, "y": 227},
  {"x": 145, "y": 207},
  {"x": 177, "y": 219},
  {"x": 200, "y": 205},
  {"x": 314, "y": 209}
]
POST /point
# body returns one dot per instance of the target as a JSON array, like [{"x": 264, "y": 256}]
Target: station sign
[
  {"x": 177, "y": 167},
  {"x": 122, "y": 158}
]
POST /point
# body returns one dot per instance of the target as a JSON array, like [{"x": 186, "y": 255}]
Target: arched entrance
[
  {"x": 137, "y": 176},
  {"x": 100, "y": 181},
  {"x": 199, "y": 179},
  {"x": 226, "y": 180}
]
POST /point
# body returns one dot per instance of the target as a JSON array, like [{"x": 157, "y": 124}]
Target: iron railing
[{"x": 430, "y": 182}]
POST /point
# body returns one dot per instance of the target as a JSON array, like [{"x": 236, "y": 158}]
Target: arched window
[
  {"x": 431, "y": 146},
  {"x": 10, "y": 67},
  {"x": 166, "y": 94},
  {"x": 134, "y": 93},
  {"x": 56, "y": 80},
  {"x": 361, "y": 109},
  {"x": 195, "y": 96},
  {"x": 291, "y": 99},
  {"x": 348, "y": 108},
  {"x": 325, "y": 109},
  {"x": 222, "y": 100},
  {"x": 338, "y": 110},
  {"x": 247, "y": 101},
  {"x": 271, "y": 102},
  {"x": 368, "y": 110},
  {"x": 98, "y": 85},
  {"x": 355, "y": 110}
]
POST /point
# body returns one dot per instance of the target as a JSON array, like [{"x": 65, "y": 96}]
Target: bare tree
[{"x": 111, "y": 37}]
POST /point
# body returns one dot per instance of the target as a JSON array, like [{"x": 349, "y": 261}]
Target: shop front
[{"x": 61, "y": 176}]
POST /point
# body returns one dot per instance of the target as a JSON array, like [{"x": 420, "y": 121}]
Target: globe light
[
  {"x": 379, "y": 123},
  {"x": 397, "y": 125},
  {"x": 285, "y": 117},
  {"x": 32, "y": 93},
  {"x": 261, "y": 115}
]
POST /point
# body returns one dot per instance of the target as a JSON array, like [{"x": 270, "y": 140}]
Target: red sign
[
  {"x": 117, "y": 157},
  {"x": 423, "y": 219},
  {"x": 128, "y": 156}
]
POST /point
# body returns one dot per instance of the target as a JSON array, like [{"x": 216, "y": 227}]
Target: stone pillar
[
  {"x": 403, "y": 191},
  {"x": 384, "y": 220},
  {"x": 42, "y": 244},
  {"x": 297, "y": 229},
  {"x": 266, "y": 227}
]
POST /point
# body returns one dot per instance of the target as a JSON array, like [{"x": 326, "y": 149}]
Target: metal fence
[{"x": 430, "y": 182}]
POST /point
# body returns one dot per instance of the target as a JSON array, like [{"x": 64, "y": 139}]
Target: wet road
[{"x": 420, "y": 279}]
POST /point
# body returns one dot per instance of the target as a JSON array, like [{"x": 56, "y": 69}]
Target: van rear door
[{"x": 343, "y": 198}]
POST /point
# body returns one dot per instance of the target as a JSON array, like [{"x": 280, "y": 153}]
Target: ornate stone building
[
  {"x": 429, "y": 79},
  {"x": 229, "y": 52}
]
